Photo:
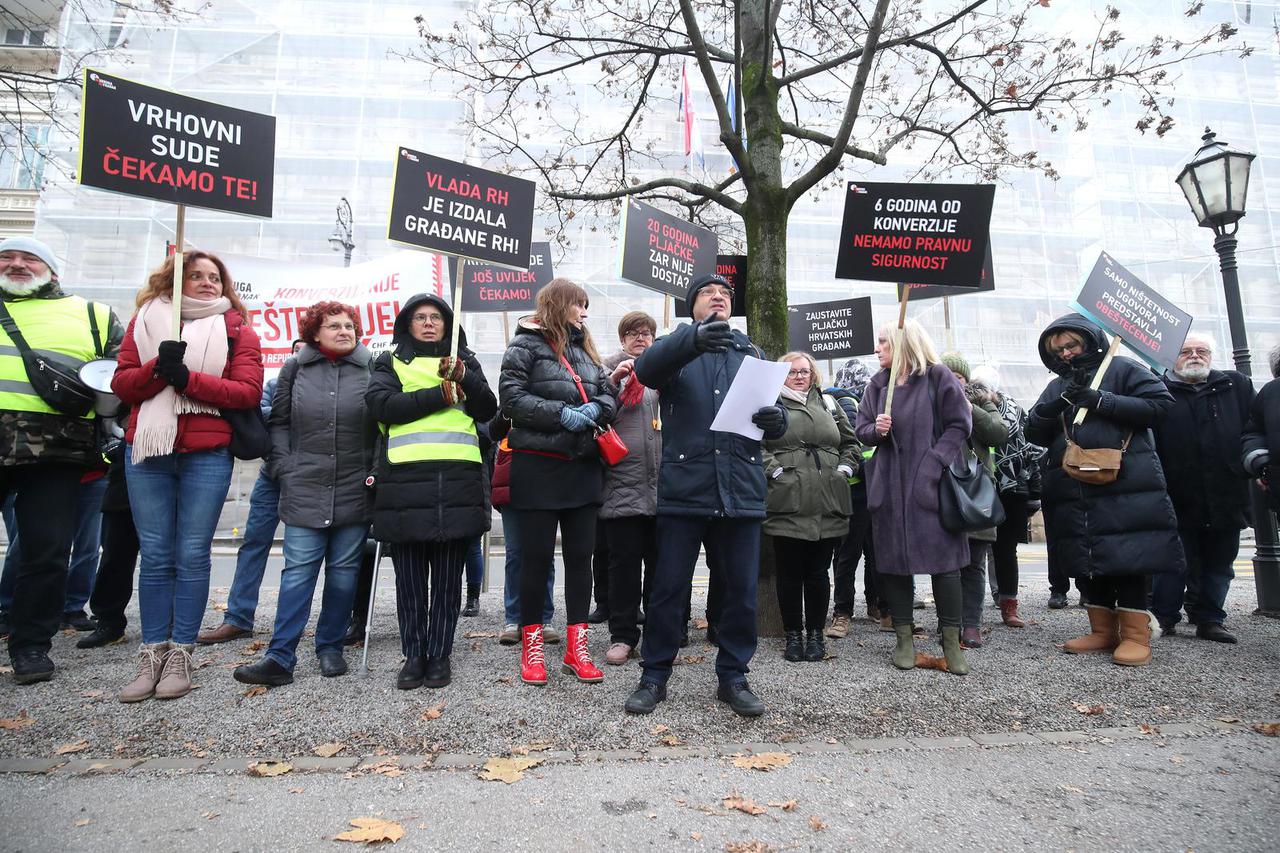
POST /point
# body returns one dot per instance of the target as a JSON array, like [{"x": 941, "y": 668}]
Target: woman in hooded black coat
[
  {"x": 428, "y": 503},
  {"x": 1110, "y": 536}
]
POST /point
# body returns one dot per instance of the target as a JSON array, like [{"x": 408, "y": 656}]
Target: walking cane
[{"x": 368, "y": 618}]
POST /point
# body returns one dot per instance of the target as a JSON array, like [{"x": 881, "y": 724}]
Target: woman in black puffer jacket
[
  {"x": 556, "y": 473},
  {"x": 1109, "y": 537},
  {"x": 429, "y": 499}
]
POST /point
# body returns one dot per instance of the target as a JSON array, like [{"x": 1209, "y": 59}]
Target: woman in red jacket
[{"x": 176, "y": 460}]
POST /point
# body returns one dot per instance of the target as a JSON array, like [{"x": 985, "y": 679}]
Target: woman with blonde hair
[
  {"x": 928, "y": 429},
  {"x": 557, "y": 479},
  {"x": 177, "y": 464}
]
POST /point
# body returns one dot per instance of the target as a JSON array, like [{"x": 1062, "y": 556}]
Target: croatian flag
[{"x": 692, "y": 137}]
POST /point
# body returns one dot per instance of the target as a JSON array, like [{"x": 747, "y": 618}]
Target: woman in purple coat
[{"x": 902, "y": 484}]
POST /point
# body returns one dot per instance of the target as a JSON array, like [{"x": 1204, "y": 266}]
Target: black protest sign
[
  {"x": 841, "y": 329},
  {"x": 156, "y": 144},
  {"x": 734, "y": 270},
  {"x": 487, "y": 288},
  {"x": 663, "y": 252},
  {"x": 455, "y": 209},
  {"x": 923, "y": 233},
  {"x": 1116, "y": 299},
  {"x": 935, "y": 291}
]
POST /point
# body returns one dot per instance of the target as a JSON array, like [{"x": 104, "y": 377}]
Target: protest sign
[
  {"x": 487, "y": 288},
  {"x": 1116, "y": 299},
  {"x": 663, "y": 252},
  {"x": 143, "y": 141},
  {"x": 455, "y": 209},
  {"x": 934, "y": 291},
  {"x": 734, "y": 270},
  {"x": 841, "y": 329},
  {"x": 926, "y": 233}
]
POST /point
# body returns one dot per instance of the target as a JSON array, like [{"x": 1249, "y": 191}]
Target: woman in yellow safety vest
[{"x": 429, "y": 493}]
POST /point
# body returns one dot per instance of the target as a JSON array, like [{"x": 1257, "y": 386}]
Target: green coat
[{"x": 808, "y": 498}]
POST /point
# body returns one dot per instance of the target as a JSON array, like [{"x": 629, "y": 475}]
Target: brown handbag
[{"x": 1096, "y": 466}]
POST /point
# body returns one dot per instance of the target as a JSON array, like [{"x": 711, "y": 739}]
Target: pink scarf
[{"x": 205, "y": 332}]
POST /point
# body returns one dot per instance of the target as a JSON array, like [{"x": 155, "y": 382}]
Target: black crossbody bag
[{"x": 55, "y": 377}]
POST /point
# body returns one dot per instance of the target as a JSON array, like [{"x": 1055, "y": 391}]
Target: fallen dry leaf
[
  {"x": 254, "y": 647},
  {"x": 879, "y": 712},
  {"x": 785, "y": 805},
  {"x": 1268, "y": 729},
  {"x": 68, "y": 748},
  {"x": 84, "y": 821},
  {"x": 924, "y": 661},
  {"x": 742, "y": 804},
  {"x": 765, "y": 761},
  {"x": 329, "y": 750},
  {"x": 507, "y": 770},
  {"x": 371, "y": 830},
  {"x": 434, "y": 712},
  {"x": 220, "y": 607},
  {"x": 296, "y": 790},
  {"x": 1148, "y": 729},
  {"x": 696, "y": 836},
  {"x": 700, "y": 624},
  {"x": 91, "y": 694},
  {"x": 690, "y": 659},
  {"x": 660, "y": 729},
  {"x": 209, "y": 815},
  {"x": 269, "y": 768},
  {"x": 747, "y": 847},
  {"x": 477, "y": 635},
  {"x": 1089, "y": 710},
  {"x": 1071, "y": 789},
  {"x": 816, "y": 824},
  {"x": 1176, "y": 759},
  {"x": 670, "y": 740},
  {"x": 255, "y": 690},
  {"x": 19, "y": 722},
  {"x": 1229, "y": 719}
]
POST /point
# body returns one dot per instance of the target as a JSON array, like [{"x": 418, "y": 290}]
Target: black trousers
[
  {"x": 734, "y": 543},
  {"x": 428, "y": 594},
  {"x": 44, "y": 508},
  {"x": 633, "y": 552},
  {"x": 856, "y": 545},
  {"x": 600, "y": 567},
  {"x": 947, "y": 597},
  {"x": 1008, "y": 537},
  {"x": 113, "y": 586},
  {"x": 1128, "y": 591},
  {"x": 537, "y": 529},
  {"x": 801, "y": 580}
]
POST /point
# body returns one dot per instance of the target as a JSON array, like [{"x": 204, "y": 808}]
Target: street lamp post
[
  {"x": 341, "y": 236},
  {"x": 1216, "y": 183}
]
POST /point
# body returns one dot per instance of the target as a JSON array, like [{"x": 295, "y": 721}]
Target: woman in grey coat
[
  {"x": 902, "y": 484},
  {"x": 322, "y": 445}
]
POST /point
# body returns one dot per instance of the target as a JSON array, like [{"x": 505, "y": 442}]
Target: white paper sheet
[{"x": 756, "y": 385}]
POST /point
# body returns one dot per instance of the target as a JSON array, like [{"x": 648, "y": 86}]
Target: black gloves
[
  {"x": 169, "y": 366},
  {"x": 1082, "y": 395},
  {"x": 772, "y": 420},
  {"x": 712, "y": 335},
  {"x": 171, "y": 352}
]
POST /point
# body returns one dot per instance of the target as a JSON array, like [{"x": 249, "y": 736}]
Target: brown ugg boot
[
  {"x": 1102, "y": 636},
  {"x": 1135, "y": 638}
]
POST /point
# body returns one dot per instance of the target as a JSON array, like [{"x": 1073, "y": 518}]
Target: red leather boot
[
  {"x": 577, "y": 657},
  {"x": 533, "y": 666}
]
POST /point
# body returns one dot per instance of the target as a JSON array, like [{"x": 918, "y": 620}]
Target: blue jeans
[
  {"x": 475, "y": 561},
  {"x": 305, "y": 548},
  {"x": 84, "y": 549},
  {"x": 251, "y": 559},
  {"x": 511, "y": 583},
  {"x": 176, "y": 501}
]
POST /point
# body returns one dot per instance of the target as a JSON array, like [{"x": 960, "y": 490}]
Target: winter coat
[
  {"x": 808, "y": 497},
  {"x": 239, "y": 387},
  {"x": 989, "y": 433},
  {"x": 438, "y": 500},
  {"x": 902, "y": 477},
  {"x": 535, "y": 386},
  {"x": 631, "y": 486},
  {"x": 704, "y": 473},
  {"x": 1262, "y": 436},
  {"x": 1121, "y": 528},
  {"x": 322, "y": 438},
  {"x": 1199, "y": 442}
]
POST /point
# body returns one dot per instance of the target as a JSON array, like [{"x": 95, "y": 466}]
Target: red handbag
[{"x": 612, "y": 448}]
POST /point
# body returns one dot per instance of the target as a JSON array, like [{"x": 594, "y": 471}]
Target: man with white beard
[
  {"x": 44, "y": 451},
  {"x": 1199, "y": 442}
]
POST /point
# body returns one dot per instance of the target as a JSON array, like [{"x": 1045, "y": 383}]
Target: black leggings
[
  {"x": 1128, "y": 591},
  {"x": 946, "y": 597},
  {"x": 1005, "y": 548},
  {"x": 800, "y": 572},
  {"x": 537, "y": 529}
]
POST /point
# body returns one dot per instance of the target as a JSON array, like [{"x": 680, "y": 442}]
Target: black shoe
[
  {"x": 739, "y": 697},
  {"x": 355, "y": 634},
  {"x": 713, "y": 634},
  {"x": 332, "y": 664},
  {"x": 437, "y": 673},
  {"x": 4, "y": 623},
  {"x": 411, "y": 674},
  {"x": 645, "y": 698},
  {"x": 599, "y": 615},
  {"x": 472, "y": 607},
  {"x": 1057, "y": 600},
  {"x": 795, "y": 647},
  {"x": 265, "y": 671},
  {"x": 76, "y": 619},
  {"x": 1214, "y": 631},
  {"x": 31, "y": 665},
  {"x": 103, "y": 635},
  {"x": 814, "y": 647},
  {"x": 1168, "y": 629}
]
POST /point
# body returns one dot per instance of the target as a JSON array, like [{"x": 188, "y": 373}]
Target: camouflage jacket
[{"x": 27, "y": 437}]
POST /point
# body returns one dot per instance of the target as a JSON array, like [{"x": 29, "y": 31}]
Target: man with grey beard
[{"x": 1199, "y": 442}]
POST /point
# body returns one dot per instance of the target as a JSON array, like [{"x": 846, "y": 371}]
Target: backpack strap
[{"x": 93, "y": 329}]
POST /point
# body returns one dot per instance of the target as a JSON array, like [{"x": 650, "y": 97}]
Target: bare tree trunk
[{"x": 768, "y": 614}]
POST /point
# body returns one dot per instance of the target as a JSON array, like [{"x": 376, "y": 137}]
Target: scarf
[
  {"x": 790, "y": 393},
  {"x": 205, "y": 332}
]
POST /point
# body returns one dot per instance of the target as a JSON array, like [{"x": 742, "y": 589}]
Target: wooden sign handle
[
  {"x": 457, "y": 308},
  {"x": 1097, "y": 377},
  {"x": 176, "y": 299},
  {"x": 897, "y": 342}
]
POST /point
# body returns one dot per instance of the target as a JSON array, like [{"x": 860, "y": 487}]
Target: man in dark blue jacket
[{"x": 711, "y": 488}]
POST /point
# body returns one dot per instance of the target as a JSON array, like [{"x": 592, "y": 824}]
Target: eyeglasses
[
  {"x": 1074, "y": 346},
  {"x": 800, "y": 374},
  {"x": 1203, "y": 352},
  {"x": 428, "y": 318},
  {"x": 638, "y": 334}
]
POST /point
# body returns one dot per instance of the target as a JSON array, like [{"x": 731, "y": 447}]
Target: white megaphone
[{"x": 97, "y": 375}]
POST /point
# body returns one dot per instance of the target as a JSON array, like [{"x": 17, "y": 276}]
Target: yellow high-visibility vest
[
  {"x": 50, "y": 326},
  {"x": 446, "y": 435}
]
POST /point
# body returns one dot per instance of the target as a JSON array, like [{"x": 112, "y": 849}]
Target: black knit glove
[
  {"x": 712, "y": 335},
  {"x": 169, "y": 366},
  {"x": 772, "y": 420}
]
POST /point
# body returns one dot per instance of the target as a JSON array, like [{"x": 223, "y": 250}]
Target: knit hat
[
  {"x": 853, "y": 376},
  {"x": 956, "y": 363},
  {"x": 32, "y": 246},
  {"x": 699, "y": 283}
]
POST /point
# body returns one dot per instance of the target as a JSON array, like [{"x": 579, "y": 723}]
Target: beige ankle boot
[
  {"x": 175, "y": 679},
  {"x": 150, "y": 663}
]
